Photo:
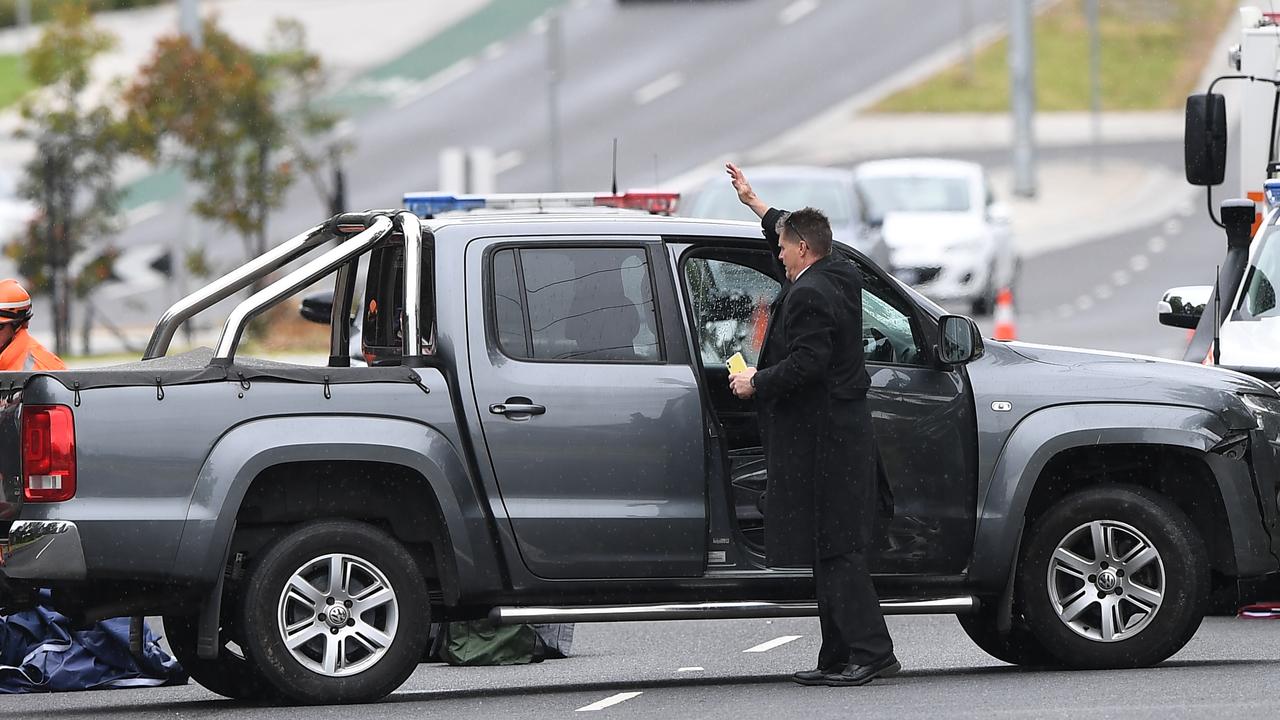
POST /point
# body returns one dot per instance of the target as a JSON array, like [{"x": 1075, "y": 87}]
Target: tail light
[{"x": 48, "y": 453}]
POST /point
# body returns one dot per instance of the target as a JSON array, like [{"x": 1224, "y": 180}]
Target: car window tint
[
  {"x": 887, "y": 332},
  {"x": 587, "y": 304},
  {"x": 730, "y": 305},
  {"x": 508, "y": 307},
  {"x": 383, "y": 307}
]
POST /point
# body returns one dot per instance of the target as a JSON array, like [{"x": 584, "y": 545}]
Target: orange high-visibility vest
[{"x": 24, "y": 353}]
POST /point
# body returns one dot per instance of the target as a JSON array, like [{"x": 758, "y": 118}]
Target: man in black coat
[{"x": 811, "y": 390}]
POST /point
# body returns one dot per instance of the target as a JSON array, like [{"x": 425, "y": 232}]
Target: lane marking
[
  {"x": 495, "y": 50},
  {"x": 609, "y": 701},
  {"x": 1186, "y": 210},
  {"x": 1139, "y": 263},
  {"x": 507, "y": 161},
  {"x": 695, "y": 668},
  {"x": 1172, "y": 226},
  {"x": 1157, "y": 244},
  {"x": 767, "y": 646},
  {"x": 1102, "y": 292},
  {"x": 1084, "y": 302},
  {"x": 1120, "y": 278},
  {"x": 417, "y": 91},
  {"x": 659, "y": 87},
  {"x": 796, "y": 10}
]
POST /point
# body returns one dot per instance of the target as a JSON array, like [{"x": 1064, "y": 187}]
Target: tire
[
  {"x": 353, "y": 655},
  {"x": 1016, "y": 647},
  {"x": 1078, "y": 601},
  {"x": 230, "y": 675}
]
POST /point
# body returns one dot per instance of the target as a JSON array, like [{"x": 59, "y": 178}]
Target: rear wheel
[
  {"x": 1114, "y": 577},
  {"x": 1016, "y": 647},
  {"x": 336, "y": 612},
  {"x": 230, "y": 674}
]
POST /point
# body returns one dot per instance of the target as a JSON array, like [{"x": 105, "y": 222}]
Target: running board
[{"x": 508, "y": 615}]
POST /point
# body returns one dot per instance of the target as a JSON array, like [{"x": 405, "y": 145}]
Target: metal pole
[
  {"x": 1022, "y": 98},
  {"x": 189, "y": 21},
  {"x": 1095, "y": 96},
  {"x": 966, "y": 27},
  {"x": 24, "y": 13},
  {"x": 554, "y": 58}
]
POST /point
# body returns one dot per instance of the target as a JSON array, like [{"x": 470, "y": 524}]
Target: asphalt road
[
  {"x": 701, "y": 669},
  {"x": 677, "y": 83}
]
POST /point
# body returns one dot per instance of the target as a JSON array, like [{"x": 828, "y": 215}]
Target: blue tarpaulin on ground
[{"x": 41, "y": 652}]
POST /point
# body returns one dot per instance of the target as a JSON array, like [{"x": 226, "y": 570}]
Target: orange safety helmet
[{"x": 15, "y": 302}]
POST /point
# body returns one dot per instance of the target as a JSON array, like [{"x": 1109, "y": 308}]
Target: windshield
[
  {"x": 915, "y": 194},
  {"x": 832, "y": 197},
  {"x": 1259, "y": 298}
]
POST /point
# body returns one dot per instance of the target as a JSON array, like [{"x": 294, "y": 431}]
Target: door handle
[{"x": 510, "y": 408}]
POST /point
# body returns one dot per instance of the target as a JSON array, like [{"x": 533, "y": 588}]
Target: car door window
[
  {"x": 888, "y": 334},
  {"x": 730, "y": 303},
  {"x": 575, "y": 304}
]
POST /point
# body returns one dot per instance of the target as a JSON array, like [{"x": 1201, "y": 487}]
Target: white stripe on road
[
  {"x": 796, "y": 10},
  {"x": 659, "y": 87},
  {"x": 494, "y": 50},
  {"x": 694, "y": 668},
  {"x": 1157, "y": 244},
  {"x": 767, "y": 646},
  {"x": 507, "y": 161},
  {"x": 611, "y": 700}
]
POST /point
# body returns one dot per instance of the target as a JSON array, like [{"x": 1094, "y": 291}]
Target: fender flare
[
  {"x": 1039, "y": 437},
  {"x": 246, "y": 450}
]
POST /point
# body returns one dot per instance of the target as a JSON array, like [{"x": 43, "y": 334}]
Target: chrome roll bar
[
  {"x": 380, "y": 226},
  {"x": 411, "y": 226},
  {"x": 230, "y": 284}
]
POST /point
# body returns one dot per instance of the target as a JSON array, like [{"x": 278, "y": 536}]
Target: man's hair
[{"x": 810, "y": 225}]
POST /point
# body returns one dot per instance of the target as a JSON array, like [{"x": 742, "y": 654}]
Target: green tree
[
  {"x": 238, "y": 122},
  {"x": 71, "y": 177}
]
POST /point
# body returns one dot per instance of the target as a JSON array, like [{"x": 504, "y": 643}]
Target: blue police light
[
  {"x": 428, "y": 204},
  {"x": 1271, "y": 191}
]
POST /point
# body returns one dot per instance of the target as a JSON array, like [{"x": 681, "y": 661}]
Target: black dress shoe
[
  {"x": 814, "y": 677},
  {"x": 853, "y": 675}
]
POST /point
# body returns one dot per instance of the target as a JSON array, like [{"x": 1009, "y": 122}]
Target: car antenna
[
  {"x": 615, "y": 166},
  {"x": 1217, "y": 316}
]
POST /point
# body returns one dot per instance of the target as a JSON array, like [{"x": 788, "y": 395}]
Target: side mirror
[
  {"x": 960, "y": 340},
  {"x": 1181, "y": 307},
  {"x": 1204, "y": 139},
  {"x": 317, "y": 306}
]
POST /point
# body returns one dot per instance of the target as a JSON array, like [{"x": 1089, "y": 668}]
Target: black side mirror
[
  {"x": 1204, "y": 139},
  {"x": 1181, "y": 307},
  {"x": 317, "y": 306},
  {"x": 960, "y": 340}
]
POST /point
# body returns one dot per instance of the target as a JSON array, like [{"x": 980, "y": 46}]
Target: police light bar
[
  {"x": 1271, "y": 191},
  {"x": 429, "y": 204}
]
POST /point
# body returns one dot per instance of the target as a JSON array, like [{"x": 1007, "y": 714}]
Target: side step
[{"x": 510, "y": 615}]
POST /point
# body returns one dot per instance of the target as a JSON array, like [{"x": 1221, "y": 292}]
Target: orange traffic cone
[{"x": 1004, "y": 329}]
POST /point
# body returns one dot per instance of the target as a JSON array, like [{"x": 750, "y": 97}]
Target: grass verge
[{"x": 1151, "y": 54}]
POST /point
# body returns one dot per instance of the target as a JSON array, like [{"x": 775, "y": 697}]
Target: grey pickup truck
[{"x": 543, "y": 432}]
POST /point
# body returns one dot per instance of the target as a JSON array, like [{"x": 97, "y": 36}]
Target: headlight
[{"x": 1266, "y": 410}]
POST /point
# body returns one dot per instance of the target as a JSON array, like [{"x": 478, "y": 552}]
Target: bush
[{"x": 42, "y": 10}]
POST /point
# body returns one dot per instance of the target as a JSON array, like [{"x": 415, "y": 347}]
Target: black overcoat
[{"x": 811, "y": 387}]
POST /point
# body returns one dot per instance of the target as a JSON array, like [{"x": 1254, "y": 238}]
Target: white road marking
[
  {"x": 796, "y": 10},
  {"x": 540, "y": 25},
  {"x": 1120, "y": 278},
  {"x": 694, "y": 668},
  {"x": 495, "y": 50},
  {"x": 1172, "y": 226},
  {"x": 418, "y": 91},
  {"x": 659, "y": 87},
  {"x": 507, "y": 161},
  {"x": 767, "y": 646},
  {"x": 1084, "y": 302},
  {"x": 1157, "y": 244},
  {"x": 611, "y": 700},
  {"x": 1102, "y": 292},
  {"x": 143, "y": 212},
  {"x": 1186, "y": 210},
  {"x": 1138, "y": 263}
]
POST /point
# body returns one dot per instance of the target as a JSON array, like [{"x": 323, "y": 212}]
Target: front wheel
[
  {"x": 1114, "y": 577},
  {"x": 336, "y": 612}
]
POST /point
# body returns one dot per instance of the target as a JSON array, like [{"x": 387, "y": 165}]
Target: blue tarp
[{"x": 41, "y": 652}]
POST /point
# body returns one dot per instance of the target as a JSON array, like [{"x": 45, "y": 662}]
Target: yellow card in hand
[{"x": 736, "y": 363}]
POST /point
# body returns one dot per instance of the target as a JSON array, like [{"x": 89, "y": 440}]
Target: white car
[{"x": 947, "y": 235}]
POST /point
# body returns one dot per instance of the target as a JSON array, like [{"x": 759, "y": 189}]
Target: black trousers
[{"x": 853, "y": 629}]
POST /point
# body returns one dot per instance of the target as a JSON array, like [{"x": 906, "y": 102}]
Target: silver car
[{"x": 830, "y": 190}]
